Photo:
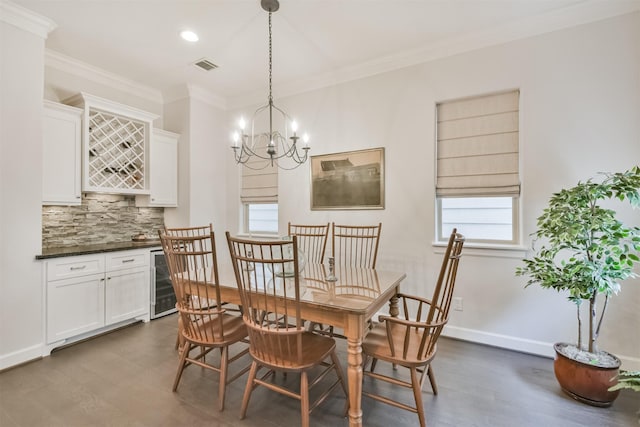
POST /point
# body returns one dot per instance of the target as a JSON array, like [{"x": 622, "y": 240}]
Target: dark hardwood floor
[{"x": 124, "y": 379}]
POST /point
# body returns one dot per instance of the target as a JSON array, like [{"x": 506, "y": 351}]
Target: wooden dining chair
[
  {"x": 312, "y": 240},
  {"x": 204, "y": 230},
  {"x": 355, "y": 245},
  {"x": 352, "y": 246},
  {"x": 182, "y": 232},
  {"x": 205, "y": 325},
  {"x": 410, "y": 342},
  {"x": 278, "y": 341}
]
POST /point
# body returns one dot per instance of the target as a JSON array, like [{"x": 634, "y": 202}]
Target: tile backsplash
[{"x": 101, "y": 218}]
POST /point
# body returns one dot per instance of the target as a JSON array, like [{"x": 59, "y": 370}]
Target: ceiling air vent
[{"x": 205, "y": 64}]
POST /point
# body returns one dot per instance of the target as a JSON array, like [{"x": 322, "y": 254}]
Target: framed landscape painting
[{"x": 349, "y": 180}]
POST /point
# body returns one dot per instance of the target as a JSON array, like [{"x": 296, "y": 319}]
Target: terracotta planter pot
[{"x": 585, "y": 382}]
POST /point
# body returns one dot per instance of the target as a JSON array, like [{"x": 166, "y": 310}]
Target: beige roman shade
[
  {"x": 477, "y": 146},
  {"x": 259, "y": 186}
]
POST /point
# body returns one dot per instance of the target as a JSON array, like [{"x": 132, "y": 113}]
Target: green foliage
[
  {"x": 587, "y": 251},
  {"x": 627, "y": 379}
]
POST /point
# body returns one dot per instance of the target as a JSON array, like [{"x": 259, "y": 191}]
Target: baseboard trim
[
  {"x": 19, "y": 357},
  {"x": 538, "y": 348}
]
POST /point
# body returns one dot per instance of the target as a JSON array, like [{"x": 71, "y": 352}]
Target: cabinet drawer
[
  {"x": 66, "y": 268},
  {"x": 128, "y": 259}
]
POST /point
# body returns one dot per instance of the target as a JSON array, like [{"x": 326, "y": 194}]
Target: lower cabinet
[
  {"x": 125, "y": 298},
  {"x": 89, "y": 292},
  {"x": 74, "y": 306}
]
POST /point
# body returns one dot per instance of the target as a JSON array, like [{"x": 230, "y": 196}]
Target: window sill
[{"x": 486, "y": 250}]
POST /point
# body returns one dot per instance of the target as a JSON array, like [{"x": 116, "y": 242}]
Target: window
[
  {"x": 259, "y": 197},
  {"x": 261, "y": 218},
  {"x": 478, "y": 182},
  {"x": 480, "y": 219}
]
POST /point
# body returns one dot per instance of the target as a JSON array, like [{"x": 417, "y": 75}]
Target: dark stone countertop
[{"x": 93, "y": 249}]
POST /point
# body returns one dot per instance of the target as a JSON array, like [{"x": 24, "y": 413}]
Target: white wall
[
  {"x": 202, "y": 166},
  {"x": 580, "y": 114},
  {"x": 176, "y": 119},
  {"x": 21, "y": 85}
]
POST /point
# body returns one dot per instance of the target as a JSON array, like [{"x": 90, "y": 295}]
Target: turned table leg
[
  {"x": 354, "y": 375},
  {"x": 355, "y": 333},
  {"x": 393, "y": 306}
]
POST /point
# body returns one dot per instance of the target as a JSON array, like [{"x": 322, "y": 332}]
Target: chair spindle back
[
  {"x": 193, "y": 268},
  {"x": 356, "y": 245},
  {"x": 268, "y": 282},
  {"x": 312, "y": 240},
  {"x": 443, "y": 292}
]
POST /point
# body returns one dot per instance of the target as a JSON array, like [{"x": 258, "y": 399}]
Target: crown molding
[
  {"x": 572, "y": 16},
  {"x": 175, "y": 93},
  {"x": 206, "y": 96},
  {"x": 77, "y": 68},
  {"x": 191, "y": 91},
  {"x": 25, "y": 19}
]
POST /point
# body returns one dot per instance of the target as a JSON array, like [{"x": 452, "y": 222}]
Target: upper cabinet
[
  {"x": 62, "y": 137},
  {"x": 164, "y": 171},
  {"x": 116, "y": 144}
]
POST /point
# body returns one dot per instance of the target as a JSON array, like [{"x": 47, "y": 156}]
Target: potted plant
[{"x": 586, "y": 251}]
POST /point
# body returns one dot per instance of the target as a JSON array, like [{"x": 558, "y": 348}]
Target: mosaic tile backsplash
[{"x": 101, "y": 218}]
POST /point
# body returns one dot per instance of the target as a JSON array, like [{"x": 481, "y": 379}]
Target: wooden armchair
[
  {"x": 205, "y": 325},
  {"x": 278, "y": 340},
  {"x": 410, "y": 342},
  {"x": 312, "y": 240}
]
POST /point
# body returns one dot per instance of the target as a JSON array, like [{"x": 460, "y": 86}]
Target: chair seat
[
  {"x": 376, "y": 345},
  {"x": 234, "y": 330},
  {"x": 315, "y": 348}
]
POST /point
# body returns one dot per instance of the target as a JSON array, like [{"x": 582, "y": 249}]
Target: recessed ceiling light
[{"x": 189, "y": 36}]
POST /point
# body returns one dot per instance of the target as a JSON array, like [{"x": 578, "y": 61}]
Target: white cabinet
[
  {"x": 163, "y": 170},
  {"x": 61, "y": 160},
  {"x": 127, "y": 285},
  {"x": 116, "y": 141},
  {"x": 75, "y": 296},
  {"x": 85, "y": 294},
  {"x": 125, "y": 298},
  {"x": 75, "y": 306}
]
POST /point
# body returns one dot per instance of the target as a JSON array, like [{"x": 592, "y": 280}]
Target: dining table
[{"x": 344, "y": 297}]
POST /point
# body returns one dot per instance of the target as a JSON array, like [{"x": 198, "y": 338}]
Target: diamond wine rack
[
  {"x": 116, "y": 152},
  {"x": 116, "y": 141}
]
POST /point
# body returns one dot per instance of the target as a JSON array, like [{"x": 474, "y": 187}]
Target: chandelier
[{"x": 274, "y": 145}]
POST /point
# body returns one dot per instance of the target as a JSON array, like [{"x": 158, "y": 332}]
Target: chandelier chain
[{"x": 270, "y": 60}]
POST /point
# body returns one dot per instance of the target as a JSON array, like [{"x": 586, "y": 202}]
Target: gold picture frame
[{"x": 348, "y": 180}]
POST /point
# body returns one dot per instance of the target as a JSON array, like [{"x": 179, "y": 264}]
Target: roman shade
[
  {"x": 259, "y": 185},
  {"x": 477, "y": 146}
]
